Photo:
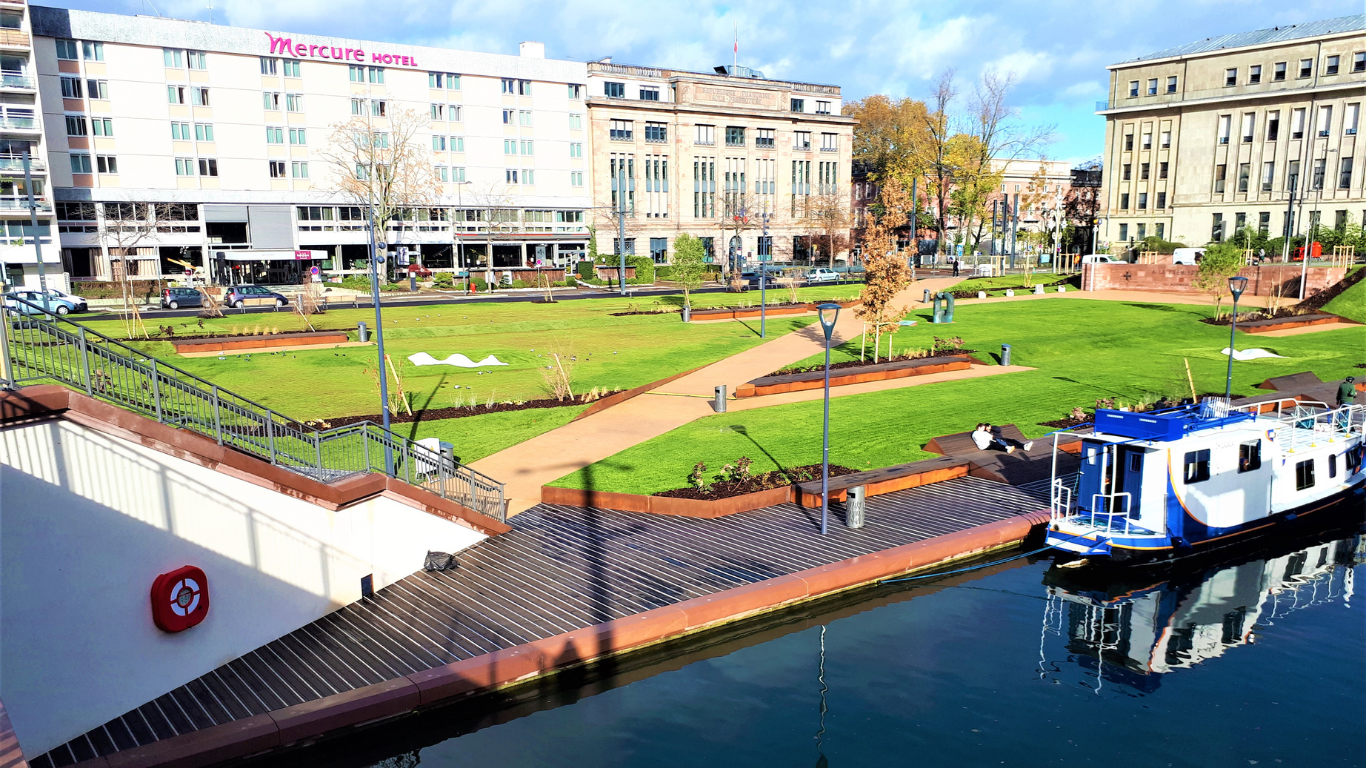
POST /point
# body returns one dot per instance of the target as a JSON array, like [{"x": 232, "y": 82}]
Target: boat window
[
  {"x": 1136, "y": 462},
  {"x": 1250, "y": 456},
  {"x": 1332, "y": 465},
  {"x": 1197, "y": 466},
  {"x": 1304, "y": 475},
  {"x": 1091, "y": 456}
]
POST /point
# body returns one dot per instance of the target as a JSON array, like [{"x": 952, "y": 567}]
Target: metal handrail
[{"x": 38, "y": 345}]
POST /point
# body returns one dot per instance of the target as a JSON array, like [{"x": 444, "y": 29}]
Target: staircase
[{"x": 37, "y": 346}]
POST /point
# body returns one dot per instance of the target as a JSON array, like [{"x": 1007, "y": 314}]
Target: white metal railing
[
  {"x": 1302, "y": 424},
  {"x": 39, "y": 346},
  {"x": 16, "y": 79}
]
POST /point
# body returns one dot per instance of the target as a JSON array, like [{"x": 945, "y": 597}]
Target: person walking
[
  {"x": 1347, "y": 392},
  {"x": 955, "y": 266}
]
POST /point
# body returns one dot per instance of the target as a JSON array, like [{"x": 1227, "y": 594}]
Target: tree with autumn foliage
[{"x": 885, "y": 271}]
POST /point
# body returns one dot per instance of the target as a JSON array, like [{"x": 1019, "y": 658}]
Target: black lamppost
[
  {"x": 1236, "y": 285},
  {"x": 828, "y": 314}
]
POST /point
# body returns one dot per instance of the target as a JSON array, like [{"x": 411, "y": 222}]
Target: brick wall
[{"x": 1262, "y": 281}]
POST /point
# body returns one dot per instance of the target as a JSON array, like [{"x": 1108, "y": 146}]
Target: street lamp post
[
  {"x": 1236, "y": 285},
  {"x": 828, "y": 314},
  {"x": 763, "y": 273}
]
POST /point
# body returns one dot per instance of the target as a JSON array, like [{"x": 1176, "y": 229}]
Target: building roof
[{"x": 1262, "y": 36}]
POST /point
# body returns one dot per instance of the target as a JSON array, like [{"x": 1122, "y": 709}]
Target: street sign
[
  {"x": 540, "y": 254},
  {"x": 314, "y": 271},
  {"x": 960, "y": 250}
]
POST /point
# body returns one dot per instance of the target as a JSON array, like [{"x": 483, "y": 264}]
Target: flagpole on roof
[{"x": 735, "y": 61}]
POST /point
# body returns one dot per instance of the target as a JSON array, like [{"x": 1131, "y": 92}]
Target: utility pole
[
  {"x": 33, "y": 224},
  {"x": 1014, "y": 227},
  {"x": 621, "y": 225}
]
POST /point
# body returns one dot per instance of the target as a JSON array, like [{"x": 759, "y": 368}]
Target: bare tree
[
  {"x": 127, "y": 226},
  {"x": 934, "y": 154},
  {"x": 829, "y": 219},
  {"x": 497, "y": 209}
]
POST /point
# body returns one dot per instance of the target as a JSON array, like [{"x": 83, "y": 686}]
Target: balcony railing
[
  {"x": 18, "y": 124},
  {"x": 21, "y": 203},
  {"x": 16, "y": 80},
  {"x": 16, "y": 163}
]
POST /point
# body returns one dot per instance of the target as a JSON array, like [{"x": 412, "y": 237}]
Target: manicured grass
[
  {"x": 478, "y": 436},
  {"x": 1083, "y": 350},
  {"x": 1350, "y": 304},
  {"x": 996, "y": 286}
]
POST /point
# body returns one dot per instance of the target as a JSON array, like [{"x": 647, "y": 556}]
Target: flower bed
[
  {"x": 740, "y": 485},
  {"x": 815, "y": 379},
  {"x": 1255, "y": 318}
]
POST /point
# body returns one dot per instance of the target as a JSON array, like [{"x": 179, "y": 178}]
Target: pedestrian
[
  {"x": 1347, "y": 392},
  {"x": 955, "y": 266}
]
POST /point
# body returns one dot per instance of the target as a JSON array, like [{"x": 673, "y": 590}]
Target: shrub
[
  {"x": 585, "y": 269},
  {"x": 480, "y": 284},
  {"x": 645, "y": 269},
  {"x": 520, "y": 284},
  {"x": 444, "y": 280}
]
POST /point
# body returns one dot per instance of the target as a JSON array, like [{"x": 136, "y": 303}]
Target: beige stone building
[
  {"x": 1206, "y": 138},
  {"x": 691, "y": 152}
]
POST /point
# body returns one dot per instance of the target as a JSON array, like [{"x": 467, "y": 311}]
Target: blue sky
[{"x": 1058, "y": 49}]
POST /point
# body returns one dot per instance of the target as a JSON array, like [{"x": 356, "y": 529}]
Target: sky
[{"x": 1057, "y": 49}]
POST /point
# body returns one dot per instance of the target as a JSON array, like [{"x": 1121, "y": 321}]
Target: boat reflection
[{"x": 1133, "y": 632}]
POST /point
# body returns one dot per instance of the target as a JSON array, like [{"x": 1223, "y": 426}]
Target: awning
[{"x": 270, "y": 255}]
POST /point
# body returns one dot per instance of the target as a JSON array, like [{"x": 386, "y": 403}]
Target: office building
[{"x": 21, "y": 131}]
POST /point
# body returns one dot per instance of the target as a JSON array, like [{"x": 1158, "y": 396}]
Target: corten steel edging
[
  {"x": 744, "y": 313},
  {"x": 1263, "y": 326},
  {"x": 664, "y": 505},
  {"x": 522, "y": 663},
  {"x": 816, "y": 379},
  {"x": 52, "y": 401},
  {"x": 621, "y": 397},
  {"x": 264, "y": 340}
]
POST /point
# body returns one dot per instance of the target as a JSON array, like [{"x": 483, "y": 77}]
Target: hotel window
[
  {"x": 99, "y": 89},
  {"x": 1350, "y": 118},
  {"x": 271, "y": 99},
  {"x": 453, "y": 113},
  {"x": 1152, "y": 86},
  {"x": 1244, "y": 170},
  {"x": 1162, "y": 169},
  {"x": 649, "y": 93},
  {"x": 1325, "y": 120},
  {"x": 356, "y": 73},
  {"x": 379, "y": 108},
  {"x": 1273, "y": 125},
  {"x": 380, "y": 139},
  {"x": 1220, "y": 173},
  {"x": 822, "y": 107},
  {"x": 1268, "y": 175},
  {"x": 1306, "y": 68},
  {"x": 1278, "y": 72},
  {"x": 458, "y": 175},
  {"x": 292, "y": 68},
  {"x": 1124, "y": 202},
  {"x": 1345, "y": 173},
  {"x": 576, "y": 122},
  {"x": 704, "y": 188},
  {"x": 174, "y": 58},
  {"x": 438, "y": 143},
  {"x": 436, "y": 80},
  {"x": 1254, "y": 74},
  {"x": 735, "y": 136},
  {"x": 763, "y": 138},
  {"x": 524, "y": 117},
  {"x": 509, "y": 85},
  {"x": 181, "y": 132},
  {"x": 508, "y": 114},
  {"x": 1161, "y": 201},
  {"x": 1297, "y": 124},
  {"x": 1249, "y": 120},
  {"x": 1133, "y": 89},
  {"x": 438, "y": 111},
  {"x": 376, "y": 75},
  {"x": 1217, "y": 228},
  {"x": 1239, "y": 222},
  {"x": 357, "y": 106},
  {"x": 1304, "y": 475},
  {"x": 620, "y": 130},
  {"x": 203, "y": 131},
  {"x": 1166, "y": 140},
  {"x": 92, "y": 51},
  {"x": 527, "y": 147},
  {"x": 509, "y": 146},
  {"x": 1147, "y": 140},
  {"x": 275, "y": 135},
  {"x": 1359, "y": 62},
  {"x": 1230, "y": 77},
  {"x": 1143, "y": 171},
  {"x": 528, "y": 176},
  {"x": 510, "y": 176},
  {"x": 799, "y": 105},
  {"x": 277, "y": 169},
  {"x": 442, "y": 173},
  {"x": 610, "y": 90},
  {"x": 1292, "y": 176},
  {"x": 294, "y": 102},
  {"x": 298, "y": 169},
  {"x": 457, "y": 143},
  {"x": 75, "y": 125},
  {"x": 268, "y": 65},
  {"x": 524, "y": 89},
  {"x": 575, "y": 91},
  {"x": 1225, "y": 126},
  {"x": 801, "y": 140},
  {"x": 576, "y": 178},
  {"x": 1171, "y": 84},
  {"x": 1264, "y": 223},
  {"x": 705, "y": 135},
  {"x": 80, "y": 163},
  {"x": 208, "y": 166},
  {"x": 657, "y": 133},
  {"x": 1127, "y": 173},
  {"x": 197, "y": 59},
  {"x": 107, "y": 164},
  {"x": 175, "y": 94},
  {"x": 297, "y": 137},
  {"x": 1331, "y": 66},
  {"x": 66, "y": 50},
  {"x": 1142, "y": 205},
  {"x": 575, "y": 149}
]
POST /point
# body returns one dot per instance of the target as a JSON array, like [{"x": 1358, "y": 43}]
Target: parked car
[
  {"x": 54, "y": 304},
  {"x": 1188, "y": 256},
  {"x": 822, "y": 275},
  {"x": 175, "y": 298},
  {"x": 239, "y": 295},
  {"x": 78, "y": 303},
  {"x": 1098, "y": 258}
]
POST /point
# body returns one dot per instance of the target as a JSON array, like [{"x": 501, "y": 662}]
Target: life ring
[{"x": 180, "y": 599}]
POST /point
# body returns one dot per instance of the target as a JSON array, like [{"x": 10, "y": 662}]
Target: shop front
[{"x": 264, "y": 267}]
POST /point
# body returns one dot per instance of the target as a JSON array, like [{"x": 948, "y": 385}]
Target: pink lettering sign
[{"x": 286, "y": 46}]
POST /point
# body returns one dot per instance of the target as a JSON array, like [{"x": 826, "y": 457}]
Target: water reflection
[{"x": 1132, "y": 630}]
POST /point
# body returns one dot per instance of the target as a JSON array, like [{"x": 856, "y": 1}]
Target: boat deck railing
[
  {"x": 1301, "y": 424},
  {"x": 38, "y": 346}
]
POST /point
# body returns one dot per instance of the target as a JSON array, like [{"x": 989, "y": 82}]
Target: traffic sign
[{"x": 314, "y": 271}]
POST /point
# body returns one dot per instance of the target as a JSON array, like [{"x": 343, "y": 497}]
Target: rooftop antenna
[{"x": 210, "y": 12}]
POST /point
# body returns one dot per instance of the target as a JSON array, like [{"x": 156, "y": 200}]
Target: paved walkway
[
  {"x": 1305, "y": 329},
  {"x": 527, "y": 466}
]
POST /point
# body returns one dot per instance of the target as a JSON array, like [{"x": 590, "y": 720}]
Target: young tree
[
  {"x": 885, "y": 270},
  {"x": 689, "y": 265},
  {"x": 126, "y": 227},
  {"x": 828, "y": 219},
  {"x": 1220, "y": 262}
]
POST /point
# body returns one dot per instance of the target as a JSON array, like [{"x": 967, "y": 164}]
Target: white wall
[{"x": 87, "y": 521}]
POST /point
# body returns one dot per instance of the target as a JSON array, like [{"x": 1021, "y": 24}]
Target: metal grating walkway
[{"x": 560, "y": 569}]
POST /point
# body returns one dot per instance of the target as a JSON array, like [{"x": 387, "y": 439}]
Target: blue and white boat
[{"x": 1178, "y": 482}]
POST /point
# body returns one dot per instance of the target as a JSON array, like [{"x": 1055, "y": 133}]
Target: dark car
[
  {"x": 239, "y": 295},
  {"x": 175, "y": 298}
]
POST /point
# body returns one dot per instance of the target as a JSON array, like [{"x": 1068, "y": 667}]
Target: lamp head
[
  {"x": 1236, "y": 285},
  {"x": 828, "y": 314}
]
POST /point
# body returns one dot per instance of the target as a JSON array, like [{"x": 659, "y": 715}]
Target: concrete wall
[
  {"x": 1262, "y": 281},
  {"x": 87, "y": 521}
]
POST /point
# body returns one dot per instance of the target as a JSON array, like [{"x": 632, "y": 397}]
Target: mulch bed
[
  {"x": 755, "y": 483},
  {"x": 671, "y": 311},
  {"x": 1247, "y": 317},
  {"x": 1066, "y": 423},
  {"x": 863, "y": 363},
  {"x": 433, "y": 414}
]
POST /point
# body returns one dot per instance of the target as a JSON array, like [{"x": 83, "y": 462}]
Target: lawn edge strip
[{"x": 602, "y": 404}]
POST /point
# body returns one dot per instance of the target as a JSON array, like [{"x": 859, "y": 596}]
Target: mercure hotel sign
[{"x": 287, "y": 46}]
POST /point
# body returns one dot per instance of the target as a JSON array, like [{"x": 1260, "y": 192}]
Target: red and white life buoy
[{"x": 180, "y": 599}]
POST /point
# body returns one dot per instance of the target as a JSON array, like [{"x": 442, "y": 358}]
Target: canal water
[{"x": 1253, "y": 662}]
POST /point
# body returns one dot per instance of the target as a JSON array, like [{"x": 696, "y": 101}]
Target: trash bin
[
  {"x": 1005, "y": 354},
  {"x": 853, "y": 506},
  {"x": 719, "y": 405},
  {"x": 687, "y": 314},
  {"x": 362, "y": 333}
]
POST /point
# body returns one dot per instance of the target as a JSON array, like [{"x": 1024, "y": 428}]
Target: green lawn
[
  {"x": 612, "y": 352},
  {"x": 1083, "y": 350},
  {"x": 478, "y": 436},
  {"x": 1351, "y": 304},
  {"x": 996, "y": 286}
]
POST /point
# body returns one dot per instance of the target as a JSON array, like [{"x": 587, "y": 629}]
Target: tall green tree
[{"x": 689, "y": 265}]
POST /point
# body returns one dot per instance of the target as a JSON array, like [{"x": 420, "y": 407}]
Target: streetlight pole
[
  {"x": 621, "y": 225},
  {"x": 33, "y": 224},
  {"x": 828, "y": 313},
  {"x": 763, "y": 273},
  {"x": 1236, "y": 285},
  {"x": 1309, "y": 239}
]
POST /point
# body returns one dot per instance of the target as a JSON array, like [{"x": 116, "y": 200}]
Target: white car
[
  {"x": 822, "y": 275},
  {"x": 1097, "y": 258},
  {"x": 1188, "y": 256}
]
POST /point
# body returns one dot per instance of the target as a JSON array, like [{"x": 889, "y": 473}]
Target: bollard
[
  {"x": 926, "y": 300},
  {"x": 1005, "y": 354},
  {"x": 719, "y": 405},
  {"x": 854, "y": 506},
  {"x": 412, "y": 283},
  {"x": 363, "y": 333}
]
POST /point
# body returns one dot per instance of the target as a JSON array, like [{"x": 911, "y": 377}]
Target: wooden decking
[{"x": 561, "y": 568}]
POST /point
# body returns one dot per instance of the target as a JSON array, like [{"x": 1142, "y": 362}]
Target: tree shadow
[{"x": 741, "y": 429}]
